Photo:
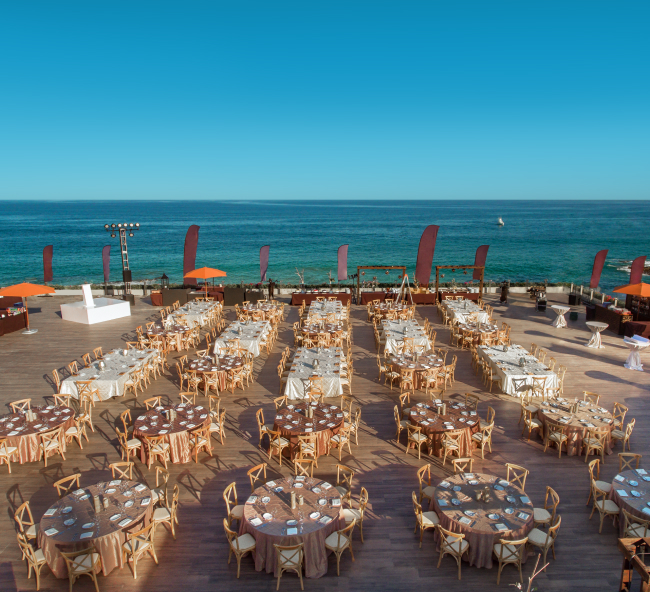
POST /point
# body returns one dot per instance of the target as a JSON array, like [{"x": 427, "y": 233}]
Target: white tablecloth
[
  {"x": 329, "y": 361},
  {"x": 108, "y": 382},
  {"x": 396, "y": 331},
  {"x": 322, "y": 309},
  {"x": 459, "y": 310},
  {"x": 194, "y": 312},
  {"x": 596, "y": 328},
  {"x": 636, "y": 344},
  {"x": 250, "y": 335},
  {"x": 560, "y": 311},
  {"x": 506, "y": 365}
]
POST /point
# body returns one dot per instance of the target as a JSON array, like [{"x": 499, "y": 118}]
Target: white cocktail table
[
  {"x": 596, "y": 328},
  {"x": 560, "y": 310},
  {"x": 636, "y": 344}
]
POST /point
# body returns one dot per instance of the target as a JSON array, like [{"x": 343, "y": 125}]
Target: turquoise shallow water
[{"x": 551, "y": 240}]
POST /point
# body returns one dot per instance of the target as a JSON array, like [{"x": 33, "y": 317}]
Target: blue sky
[{"x": 325, "y": 100}]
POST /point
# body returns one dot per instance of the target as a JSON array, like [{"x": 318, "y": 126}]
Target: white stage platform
[{"x": 91, "y": 311}]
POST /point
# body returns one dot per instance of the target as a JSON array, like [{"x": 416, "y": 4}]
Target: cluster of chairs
[
  {"x": 555, "y": 433},
  {"x": 275, "y": 317},
  {"x": 315, "y": 388},
  {"x": 439, "y": 378},
  {"x": 291, "y": 557},
  {"x": 404, "y": 314},
  {"x": 546, "y": 522},
  {"x": 87, "y": 561}
]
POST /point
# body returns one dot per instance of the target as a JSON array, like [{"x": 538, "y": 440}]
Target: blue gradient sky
[{"x": 338, "y": 99}]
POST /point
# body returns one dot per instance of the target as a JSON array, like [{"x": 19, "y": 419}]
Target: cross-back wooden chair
[
  {"x": 21, "y": 405},
  {"x": 86, "y": 360},
  {"x": 627, "y": 459},
  {"x": 591, "y": 398},
  {"x": 257, "y": 475},
  {"x": 546, "y": 516},
  {"x": 339, "y": 541},
  {"x": 238, "y": 545},
  {"x": 556, "y": 434},
  {"x": 462, "y": 465},
  {"x": 303, "y": 466},
  {"x": 289, "y": 558},
  {"x": 452, "y": 443},
  {"x": 51, "y": 443},
  {"x": 62, "y": 400},
  {"x": 517, "y": 474},
  {"x": 67, "y": 484},
  {"x": 510, "y": 552},
  {"x": 84, "y": 562},
  {"x": 122, "y": 470},
  {"x": 453, "y": 544},
  {"x": 152, "y": 402},
  {"x": 596, "y": 442},
  {"x": 137, "y": 545}
]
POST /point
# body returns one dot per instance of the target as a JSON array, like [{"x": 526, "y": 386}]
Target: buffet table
[{"x": 616, "y": 320}]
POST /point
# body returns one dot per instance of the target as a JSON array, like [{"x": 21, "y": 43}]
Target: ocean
[{"x": 541, "y": 240}]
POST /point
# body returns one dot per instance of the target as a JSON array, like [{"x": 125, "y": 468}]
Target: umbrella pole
[{"x": 27, "y": 331}]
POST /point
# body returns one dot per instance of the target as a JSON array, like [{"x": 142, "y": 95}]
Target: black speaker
[{"x": 126, "y": 275}]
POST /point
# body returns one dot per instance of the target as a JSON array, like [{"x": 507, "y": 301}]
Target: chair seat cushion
[
  {"x": 406, "y": 412},
  {"x": 156, "y": 494},
  {"x": 133, "y": 443},
  {"x": 88, "y": 560},
  {"x": 541, "y": 515},
  {"x": 604, "y": 486},
  {"x": 618, "y": 434},
  {"x": 538, "y": 537},
  {"x": 339, "y": 438},
  {"x": 162, "y": 515},
  {"x": 283, "y": 442},
  {"x": 9, "y": 450},
  {"x": 592, "y": 442},
  {"x": 478, "y": 437},
  {"x": 342, "y": 490},
  {"x": 333, "y": 541},
  {"x": 136, "y": 545},
  {"x": 160, "y": 448},
  {"x": 32, "y": 531},
  {"x": 430, "y": 519},
  {"x": 607, "y": 506},
  {"x": 637, "y": 530},
  {"x": 71, "y": 431},
  {"x": 350, "y": 514},
  {"x": 557, "y": 437},
  {"x": 237, "y": 511},
  {"x": 50, "y": 445},
  {"x": 510, "y": 554},
  {"x": 416, "y": 437},
  {"x": 215, "y": 427},
  {"x": 458, "y": 546},
  {"x": 404, "y": 423},
  {"x": 534, "y": 423},
  {"x": 428, "y": 491},
  {"x": 40, "y": 557},
  {"x": 482, "y": 424}
]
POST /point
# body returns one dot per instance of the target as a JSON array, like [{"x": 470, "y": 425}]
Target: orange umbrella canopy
[
  {"x": 205, "y": 272},
  {"x": 24, "y": 290},
  {"x": 642, "y": 290}
]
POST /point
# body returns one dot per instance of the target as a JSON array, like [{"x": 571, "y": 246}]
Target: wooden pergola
[
  {"x": 454, "y": 267},
  {"x": 360, "y": 267}
]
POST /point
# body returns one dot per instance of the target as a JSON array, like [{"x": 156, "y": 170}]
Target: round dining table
[
  {"x": 220, "y": 364},
  {"x": 631, "y": 492},
  {"x": 508, "y": 513},
  {"x": 560, "y": 311},
  {"x": 24, "y": 435},
  {"x": 263, "y": 310},
  {"x": 596, "y": 329},
  {"x": 71, "y": 524},
  {"x": 386, "y": 308},
  {"x": 480, "y": 333},
  {"x": 154, "y": 422},
  {"x": 588, "y": 416},
  {"x": 173, "y": 332},
  {"x": 292, "y": 421},
  {"x": 434, "y": 426},
  {"x": 420, "y": 364},
  {"x": 270, "y": 519}
]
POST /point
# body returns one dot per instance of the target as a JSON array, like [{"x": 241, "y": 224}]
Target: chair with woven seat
[
  {"x": 489, "y": 420},
  {"x": 423, "y": 520},
  {"x": 627, "y": 459},
  {"x": 594, "y": 474},
  {"x": 624, "y": 435},
  {"x": 510, "y": 552},
  {"x": 306, "y": 447},
  {"x": 67, "y": 484},
  {"x": 137, "y": 544},
  {"x": 531, "y": 423},
  {"x": 453, "y": 544},
  {"x": 516, "y": 474},
  {"x": 339, "y": 541},
  {"x": 546, "y": 516},
  {"x": 595, "y": 442},
  {"x": 416, "y": 438},
  {"x": 168, "y": 512},
  {"x": 127, "y": 446},
  {"x": 591, "y": 398},
  {"x": 76, "y": 432},
  {"x": 492, "y": 378},
  {"x": 525, "y": 400},
  {"x": 289, "y": 558},
  {"x": 483, "y": 439},
  {"x": 353, "y": 425},
  {"x": 424, "y": 478},
  {"x": 452, "y": 443},
  {"x": 462, "y": 465},
  {"x": 86, "y": 391},
  {"x": 556, "y": 434},
  {"x": 265, "y": 429},
  {"x": 35, "y": 558},
  {"x": 277, "y": 444},
  {"x": 157, "y": 448},
  {"x": 605, "y": 506},
  {"x": 545, "y": 540},
  {"x": 634, "y": 527},
  {"x": 200, "y": 441},
  {"x": 84, "y": 562},
  {"x": 351, "y": 514},
  {"x": 471, "y": 402},
  {"x": 159, "y": 493},
  {"x": 233, "y": 508},
  {"x": 26, "y": 525},
  {"x": 51, "y": 443},
  {"x": 341, "y": 439},
  {"x": 7, "y": 453},
  {"x": 618, "y": 415}
]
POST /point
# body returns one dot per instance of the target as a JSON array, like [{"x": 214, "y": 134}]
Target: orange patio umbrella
[
  {"x": 642, "y": 290},
  {"x": 23, "y": 291},
  {"x": 205, "y": 273}
]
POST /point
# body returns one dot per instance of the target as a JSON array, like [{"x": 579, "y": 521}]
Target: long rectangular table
[
  {"x": 309, "y": 297},
  {"x": 329, "y": 369},
  {"x": 322, "y": 309},
  {"x": 195, "y": 313},
  {"x": 506, "y": 365},
  {"x": 396, "y": 331},
  {"x": 109, "y": 382},
  {"x": 459, "y": 310},
  {"x": 249, "y": 333}
]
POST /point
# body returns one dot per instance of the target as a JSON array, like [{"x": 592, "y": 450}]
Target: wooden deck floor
[{"x": 390, "y": 558}]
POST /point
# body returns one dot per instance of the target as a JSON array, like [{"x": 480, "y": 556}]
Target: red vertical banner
[
  {"x": 264, "y": 262},
  {"x": 106, "y": 262},
  {"x": 479, "y": 259},
  {"x": 47, "y": 263},
  {"x": 189, "y": 254},
  {"x": 599, "y": 263},
  {"x": 342, "y": 274},
  {"x": 636, "y": 270},
  {"x": 425, "y": 254}
]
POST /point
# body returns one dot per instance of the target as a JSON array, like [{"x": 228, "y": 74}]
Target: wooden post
[
  {"x": 358, "y": 285},
  {"x": 480, "y": 288}
]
